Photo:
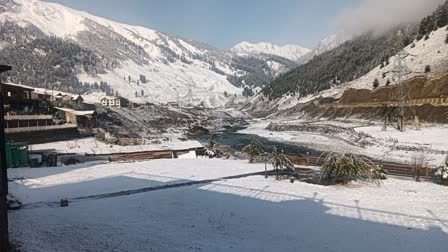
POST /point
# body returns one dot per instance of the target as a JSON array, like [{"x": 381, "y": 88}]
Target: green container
[{"x": 17, "y": 155}]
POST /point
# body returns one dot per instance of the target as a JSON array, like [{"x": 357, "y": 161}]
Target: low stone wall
[{"x": 43, "y": 136}]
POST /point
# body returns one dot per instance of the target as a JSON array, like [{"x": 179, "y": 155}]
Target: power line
[{"x": 400, "y": 70}]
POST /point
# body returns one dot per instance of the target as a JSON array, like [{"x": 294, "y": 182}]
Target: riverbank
[{"x": 360, "y": 137}]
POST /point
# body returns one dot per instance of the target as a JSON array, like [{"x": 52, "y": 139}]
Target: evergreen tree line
[
  {"x": 42, "y": 61},
  {"x": 258, "y": 72},
  {"x": 437, "y": 20}
]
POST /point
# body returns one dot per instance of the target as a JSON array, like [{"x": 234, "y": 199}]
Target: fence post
[
  {"x": 265, "y": 167},
  {"x": 417, "y": 177}
]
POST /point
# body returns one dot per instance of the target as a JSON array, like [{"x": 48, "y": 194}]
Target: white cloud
[{"x": 381, "y": 15}]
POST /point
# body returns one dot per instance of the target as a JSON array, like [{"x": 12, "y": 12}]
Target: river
[{"x": 234, "y": 139}]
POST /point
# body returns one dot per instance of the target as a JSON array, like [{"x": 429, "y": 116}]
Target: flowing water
[{"x": 237, "y": 141}]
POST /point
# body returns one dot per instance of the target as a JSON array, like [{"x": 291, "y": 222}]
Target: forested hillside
[
  {"x": 47, "y": 62},
  {"x": 354, "y": 58}
]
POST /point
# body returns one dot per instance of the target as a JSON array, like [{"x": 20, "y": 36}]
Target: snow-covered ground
[
  {"x": 390, "y": 145},
  {"x": 245, "y": 214},
  {"x": 53, "y": 184}
]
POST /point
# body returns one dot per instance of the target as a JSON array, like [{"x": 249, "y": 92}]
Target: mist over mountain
[
  {"x": 367, "y": 52},
  {"x": 380, "y": 16}
]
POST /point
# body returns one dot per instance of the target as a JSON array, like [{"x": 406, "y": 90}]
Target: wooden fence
[
  {"x": 40, "y": 128},
  {"x": 392, "y": 168}
]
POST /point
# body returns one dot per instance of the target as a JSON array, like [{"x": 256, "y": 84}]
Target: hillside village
[{"x": 123, "y": 138}]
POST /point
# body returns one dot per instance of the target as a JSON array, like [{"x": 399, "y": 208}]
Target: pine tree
[
  {"x": 136, "y": 94},
  {"x": 129, "y": 79},
  {"x": 387, "y": 82},
  {"x": 427, "y": 69},
  {"x": 446, "y": 39},
  {"x": 143, "y": 93},
  {"x": 376, "y": 83}
]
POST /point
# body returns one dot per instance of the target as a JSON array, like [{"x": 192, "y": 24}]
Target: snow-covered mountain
[
  {"x": 417, "y": 56},
  {"x": 331, "y": 42},
  {"x": 291, "y": 52},
  {"x": 326, "y": 44},
  {"x": 141, "y": 64}
]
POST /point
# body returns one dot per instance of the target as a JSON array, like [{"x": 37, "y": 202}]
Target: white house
[{"x": 111, "y": 102}]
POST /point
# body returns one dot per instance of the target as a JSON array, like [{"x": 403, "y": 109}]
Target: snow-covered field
[
  {"x": 52, "y": 184},
  {"x": 390, "y": 145},
  {"x": 245, "y": 214}
]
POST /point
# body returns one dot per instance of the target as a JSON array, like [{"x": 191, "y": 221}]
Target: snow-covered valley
[{"x": 155, "y": 142}]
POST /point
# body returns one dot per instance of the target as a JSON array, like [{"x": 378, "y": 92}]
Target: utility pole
[
  {"x": 400, "y": 70},
  {"x": 4, "y": 233}
]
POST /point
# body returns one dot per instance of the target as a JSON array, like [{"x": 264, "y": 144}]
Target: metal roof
[
  {"x": 76, "y": 112},
  {"x": 19, "y": 85}
]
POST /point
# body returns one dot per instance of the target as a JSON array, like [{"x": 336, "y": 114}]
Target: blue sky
[{"x": 223, "y": 23}]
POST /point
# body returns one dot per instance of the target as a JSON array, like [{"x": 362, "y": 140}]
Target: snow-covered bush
[
  {"x": 379, "y": 172},
  {"x": 280, "y": 161},
  {"x": 344, "y": 167},
  {"x": 442, "y": 172},
  {"x": 212, "y": 151}
]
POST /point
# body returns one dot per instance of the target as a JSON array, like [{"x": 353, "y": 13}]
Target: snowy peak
[
  {"x": 291, "y": 52},
  {"x": 138, "y": 63},
  {"x": 331, "y": 42}
]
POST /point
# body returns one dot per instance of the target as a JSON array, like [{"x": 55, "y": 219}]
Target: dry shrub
[{"x": 418, "y": 160}]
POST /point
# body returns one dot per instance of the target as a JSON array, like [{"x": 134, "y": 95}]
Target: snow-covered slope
[
  {"x": 291, "y": 52},
  {"x": 175, "y": 68},
  {"x": 432, "y": 52},
  {"x": 330, "y": 42}
]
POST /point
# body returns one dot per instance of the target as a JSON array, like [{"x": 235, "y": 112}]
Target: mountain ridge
[
  {"x": 123, "y": 55},
  {"x": 289, "y": 51}
]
